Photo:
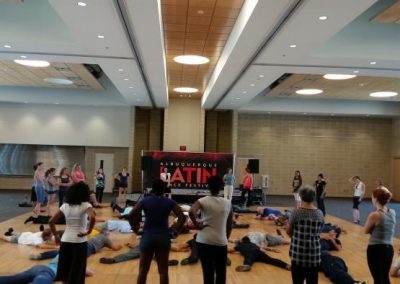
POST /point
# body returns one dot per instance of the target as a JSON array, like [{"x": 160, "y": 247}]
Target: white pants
[
  {"x": 297, "y": 197},
  {"x": 228, "y": 191}
]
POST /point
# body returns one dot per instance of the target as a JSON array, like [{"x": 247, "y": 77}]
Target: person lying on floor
[
  {"x": 94, "y": 245},
  {"x": 267, "y": 213},
  {"x": 264, "y": 240},
  {"x": 40, "y": 274},
  {"x": 329, "y": 241},
  {"x": 395, "y": 269},
  {"x": 253, "y": 253},
  {"x": 336, "y": 270},
  {"x": 134, "y": 253},
  {"x": 42, "y": 239}
]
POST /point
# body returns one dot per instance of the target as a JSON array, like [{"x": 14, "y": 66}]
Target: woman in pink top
[
  {"x": 247, "y": 186},
  {"x": 77, "y": 173}
]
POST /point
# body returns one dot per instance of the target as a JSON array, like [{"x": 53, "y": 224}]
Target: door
[
  {"x": 108, "y": 168},
  {"x": 396, "y": 179}
]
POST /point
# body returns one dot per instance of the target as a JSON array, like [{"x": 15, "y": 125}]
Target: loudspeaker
[
  {"x": 147, "y": 162},
  {"x": 253, "y": 166}
]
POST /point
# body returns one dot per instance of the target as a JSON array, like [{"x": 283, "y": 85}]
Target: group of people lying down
[{"x": 253, "y": 246}]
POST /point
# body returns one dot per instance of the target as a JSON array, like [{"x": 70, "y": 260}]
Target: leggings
[
  {"x": 379, "y": 261},
  {"x": 213, "y": 263}
]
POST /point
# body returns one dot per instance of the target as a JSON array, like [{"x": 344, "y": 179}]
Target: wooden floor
[{"x": 14, "y": 258}]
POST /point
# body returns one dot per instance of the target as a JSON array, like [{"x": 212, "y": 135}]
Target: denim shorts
[{"x": 155, "y": 242}]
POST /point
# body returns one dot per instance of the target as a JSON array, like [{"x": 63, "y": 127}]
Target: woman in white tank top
[{"x": 359, "y": 191}]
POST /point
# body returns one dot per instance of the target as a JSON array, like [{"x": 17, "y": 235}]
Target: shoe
[
  {"x": 279, "y": 232},
  {"x": 228, "y": 262},
  {"x": 41, "y": 228},
  {"x": 242, "y": 268},
  {"x": 187, "y": 261},
  {"x": 9, "y": 232},
  {"x": 106, "y": 260},
  {"x": 356, "y": 221},
  {"x": 173, "y": 262}
]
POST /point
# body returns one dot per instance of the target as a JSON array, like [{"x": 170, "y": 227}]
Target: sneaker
[
  {"x": 9, "y": 232},
  {"x": 242, "y": 268}
]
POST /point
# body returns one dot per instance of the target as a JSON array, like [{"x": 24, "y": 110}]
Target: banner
[{"x": 188, "y": 170}]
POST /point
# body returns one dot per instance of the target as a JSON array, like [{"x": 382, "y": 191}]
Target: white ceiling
[{"x": 62, "y": 31}]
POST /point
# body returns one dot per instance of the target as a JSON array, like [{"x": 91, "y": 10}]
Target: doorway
[{"x": 108, "y": 168}]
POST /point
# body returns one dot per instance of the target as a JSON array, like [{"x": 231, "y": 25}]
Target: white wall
[
  {"x": 184, "y": 125},
  {"x": 64, "y": 125}
]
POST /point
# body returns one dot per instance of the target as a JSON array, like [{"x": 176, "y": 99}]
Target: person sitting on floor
[
  {"x": 42, "y": 239},
  {"x": 93, "y": 200},
  {"x": 43, "y": 274},
  {"x": 267, "y": 213},
  {"x": 336, "y": 270},
  {"x": 94, "y": 245},
  {"x": 253, "y": 253}
]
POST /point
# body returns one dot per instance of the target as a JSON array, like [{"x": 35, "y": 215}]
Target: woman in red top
[
  {"x": 77, "y": 173},
  {"x": 247, "y": 186}
]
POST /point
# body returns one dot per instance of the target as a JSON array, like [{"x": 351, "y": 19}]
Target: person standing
[
  {"x": 155, "y": 241},
  {"x": 73, "y": 249},
  {"x": 247, "y": 186},
  {"x": 296, "y": 184},
  {"x": 304, "y": 228},
  {"x": 359, "y": 192},
  {"x": 380, "y": 225},
  {"x": 165, "y": 176},
  {"x": 51, "y": 187},
  {"x": 123, "y": 184},
  {"x": 77, "y": 173},
  {"x": 65, "y": 183},
  {"x": 214, "y": 228},
  {"x": 100, "y": 184},
  {"x": 320, "y": 187},
  {"x": 229, "y": 180},
  {"x": 38, "y": 180}
]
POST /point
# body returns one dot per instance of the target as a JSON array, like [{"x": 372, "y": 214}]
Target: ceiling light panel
[
  {"x": 339, "y": 76},
  {"x": 309, "y": 92},
  {"x": 191, "y": 59}
]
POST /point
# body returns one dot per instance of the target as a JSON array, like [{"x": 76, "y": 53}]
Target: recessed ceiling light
[
  {"x": 100, "y": 36},
  {"x": 309, "y": 92},
  {"x": 383, "y": 94},
  {"x": 181, "y": 96},
  {"x": 293, "y": 46},
  {"x": 232, "y": 103},
  {"x": 82, "y": 4},
  {"x": 25, "y": 102},
  {"x": 269, "y": 112},
  {"x": 121, "y": 70},
  {"x": 7, "y": 46},
  {"x": 23, "y": 56},
  {"x": 190, "y": 96},
  {"x": 361, "y": 84},
  {"x": 304, "y": 113},
  {"x": 356, "y": 71},
  {"x": 238, "y": 98},
  {"x": 322, "y": 18},
  {"x": 244, "y": 92},
  {"x": 57, "y": 103},
  {"x": 372, "y": 62},
  {"x": 126, "y": 79},
  {"x": 191, "y": 59},
  {"x": 252, "y": 85},
  {"x": 261, "y": 76},
  {"x": 186, "y": 90},
  {"x": 338, "y": 76},
  {"x": 58, "y": 81},
  {"x": 32, "y": 63},
  {"x": 130, "y": 87},
  {"x": 200, "y": 12}
]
